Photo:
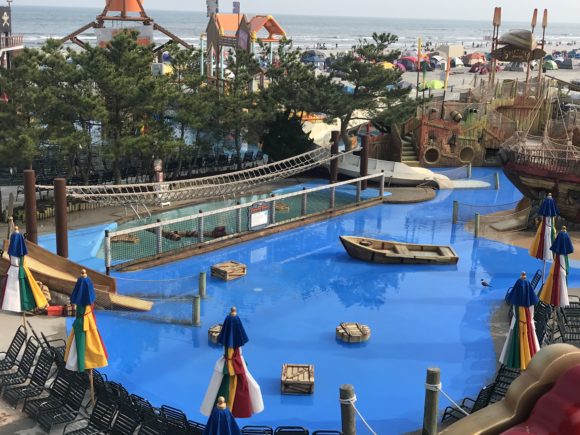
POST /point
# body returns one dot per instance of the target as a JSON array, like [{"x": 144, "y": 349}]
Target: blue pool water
[{"x": 300, "y": 285}]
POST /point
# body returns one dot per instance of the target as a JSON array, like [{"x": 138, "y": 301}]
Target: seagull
[{"x": 485, "y": 283}]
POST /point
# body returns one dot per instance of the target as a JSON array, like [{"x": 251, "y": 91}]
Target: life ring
[{"x": 365, "y": 243}]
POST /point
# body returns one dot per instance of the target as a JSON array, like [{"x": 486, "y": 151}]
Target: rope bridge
[{"x": 216, "y": 185}]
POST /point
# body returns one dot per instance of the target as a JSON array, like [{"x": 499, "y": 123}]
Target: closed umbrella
[
  {"x": 84, "y": 348},
  {"x": 521, "y": 343},
  {"x": 546, "y": 232},
  {"x": 221, "y": 421},
  {"x": 555, "y": 290},
  {"x": 231, "y": 378},
  {"x": 21, "y": 293}
]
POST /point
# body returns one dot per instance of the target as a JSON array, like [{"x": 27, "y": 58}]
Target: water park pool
[{"x": 300, "y": 285}]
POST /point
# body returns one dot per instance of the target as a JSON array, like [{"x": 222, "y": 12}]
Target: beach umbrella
[
  {"x": 432, "y": 84},
  {"x": 555, "y": 290},
  {"x": 231, "y": 378},
  {"x": 84, "y": 348},
  {"x": 221, "y": 421},
  {"x": 521, "y": 343},
  {"x": 21, "y": 293},
  {"x": 546, "y": 232}
]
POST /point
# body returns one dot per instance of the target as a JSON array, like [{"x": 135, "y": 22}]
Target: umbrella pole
[
  {"x": 92, "y": 387},
  {"x": 24, "y": 320}
]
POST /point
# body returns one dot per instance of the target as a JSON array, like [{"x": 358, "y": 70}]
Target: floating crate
[
  {"x": 54, "y": 310},
  {"x": 125, "y": 238},
  {"x": 351, "y": 332},
  {"x": 214, "y": 332},
  {"x": 228, "y": 270},
  {"x": 297, "y": 379}
]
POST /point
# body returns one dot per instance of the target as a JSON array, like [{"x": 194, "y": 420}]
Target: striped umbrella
[
  {"x": 522, "y": 343},
  {"x": 555, "y": 290},
  {"x": 231, "y": 378},
  {"x": 84, "y": 348},
  {"x": 546, "y": 233},
  {"x": 21, "y": 293}
]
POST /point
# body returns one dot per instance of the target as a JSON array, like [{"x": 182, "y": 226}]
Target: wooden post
[
  {"x": 60, "y": 217},
  {"x": 159, "y": 236},
  {"x": 469, "y": 170},
  {"x": 347, "y": 412},
  {"x": 30, "y": 205},
  {"x": 497, "y": 181},
  {"x": 238, "y": 219},
  {"x": 107, "y": 253},
  {"x": 304, "y": 202},
  {"x": 431, "y": 401},
  {"x": 332, "y": 197},
  {"x": 200, "y": 228},
  {"x": 364, "y": 161},
  {"x": 196, "y": 311},
  {"x": 358, "y": 191},
  {"x": 334, "y": 135},
  {"x": 476, "y": 225},
  {"x": 382, "y": 185},
  {"x": 455, "y": 212},
  {"x": 273, "y": 211},
  {"x": 202, "y": 285}
]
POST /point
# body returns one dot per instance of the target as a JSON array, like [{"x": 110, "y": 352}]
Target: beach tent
[
  {"x": 20, "y": 293},
  {"x": 456, "y": 62},
  {"x": 400, "y": 66},
  {"x": 388, "y": 65},
  {"x": 231, "y": 378},
  {"x": 522, "y": 342},
  {"x": 473, "y": 58},
  {"x": 565, "y": 64},
  {"x": 550, "y": 65},
  {"x": 515, "y": 66},
  {"x": 432, "y": 84},
  {"x": 313, "y": 57},
  {"x": 555, "y": 290},
  {"x": 410, "y": 63}
]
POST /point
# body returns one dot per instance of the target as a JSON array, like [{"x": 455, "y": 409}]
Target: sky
[{"x": 512, "y": 10}]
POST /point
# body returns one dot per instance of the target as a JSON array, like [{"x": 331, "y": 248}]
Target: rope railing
[{"x": 217, "y": 185}]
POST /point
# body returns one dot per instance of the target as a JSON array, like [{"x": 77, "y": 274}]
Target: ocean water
[{"x": 38, "y": 23}]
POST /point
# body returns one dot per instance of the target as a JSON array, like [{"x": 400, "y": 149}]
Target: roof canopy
[
  {"x": 228, "y": 23},
  {"x": 268, "y": 23},
  {"x": 124, "y": 6}
]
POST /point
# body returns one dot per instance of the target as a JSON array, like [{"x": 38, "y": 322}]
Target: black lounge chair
[
  {"x": 11, "y": 355},
  {"x": 568, "y": 331},
  {"x": 128, "y": 418},
  {"x": 175, "y": 419},
  {"x": 38, "y": 380},
  {"x": 22, "y": 375},
  {"x": 469, "y": 405},
  {"x": 291, "y": 430},
  {"x": 153, "y": 424},
  {"x": 55, "y": 397},
  {"x": 195, "y": 428},
  {"x": 257, "y": 430},
  {"x": 503, "y": 379},
  {"x": 542, "y": 315},
  {"x": 47, "y": 418},
  {"x": 327, "y": 432},
  {"x": 100, "y": 420}
]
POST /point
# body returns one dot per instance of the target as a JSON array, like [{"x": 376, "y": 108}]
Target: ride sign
[{"x": 258, "y": 216}]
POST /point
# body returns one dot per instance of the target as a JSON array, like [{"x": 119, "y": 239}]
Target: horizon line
[{"x": 300, "y": 15}]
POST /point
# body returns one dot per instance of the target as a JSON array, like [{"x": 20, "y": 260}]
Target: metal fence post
[
  {"x": 497, "y": 181},
  {"x": 273, "y": 211},
  {"x": 159, "y": 236},
  {"x": 347, "y": 413},
  {"x": 476, "y": 225},
  {"x": 304, "y": 202},
  {"x": 432, "y": 386},
  {"x": 196, "y": 311},
  {"x": 455, "y": 212},
  {"x": 202, "y": 285},
  {"x": 382, "y": 185},
  {"x": 332, "y": 197},
  {"x": 107, "y": 253},
  {"x": 200, "y": 227},
  {"x": 469, "y": 170},
  {"x": 358, "y": 190},
  {"x": 238, "y": 219}
]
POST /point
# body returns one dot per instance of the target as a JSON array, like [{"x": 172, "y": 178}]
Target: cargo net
[
  {"x": 204, "y": 187},
  {"x": 133, "y": 245},
  {"x": 172, "y": 299},
  {"x": 497, "y": 218}
]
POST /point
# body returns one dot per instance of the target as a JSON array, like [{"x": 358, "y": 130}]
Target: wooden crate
[
  {"x": 297, "y": 379},
  {"x": 214, "y": 332},
  {"x": 228, "y": 270},
  {"x": 351, "y": 332}
]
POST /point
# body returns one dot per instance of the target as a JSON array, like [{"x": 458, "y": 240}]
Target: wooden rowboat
[{"x": 390, "y": 252}]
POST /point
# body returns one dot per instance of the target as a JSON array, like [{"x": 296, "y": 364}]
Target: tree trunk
[
  {"x": 344, "y": 134},
  {"x": 238, "y": 150}
]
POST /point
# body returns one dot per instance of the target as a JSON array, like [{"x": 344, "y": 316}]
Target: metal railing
[{"x": 149, "y": 241}]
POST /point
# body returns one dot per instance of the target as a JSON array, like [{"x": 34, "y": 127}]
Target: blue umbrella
[{"x": 221, "y": 421}]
